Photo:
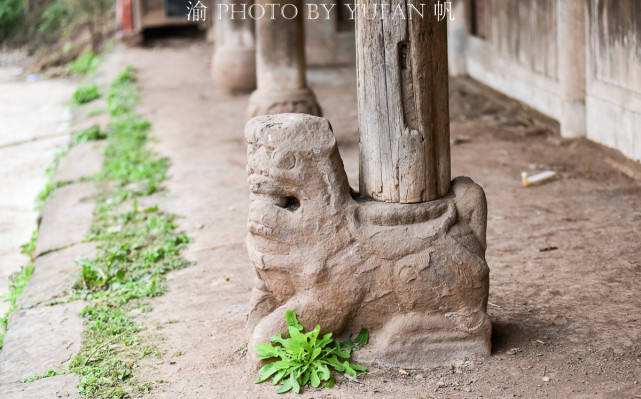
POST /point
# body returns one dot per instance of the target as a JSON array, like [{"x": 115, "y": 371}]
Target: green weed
[
  {"x": 49, "y": 373},
  {"x": 46, "y": 191},
  {"x": 29, "y": 247},
  {"x": 242, "y": 348},
  {"x": 17, "y": 282},
  {"x": 304, "y": 357},
  {"x": 127, "y": 160},
  {"x": 86, "y": 63},
  {"x": 50, "y": 185},
  {"x": 125, "y": 77},
  {"x": 86, "y": 93},
  {"x": 144, "y": 387},
  {"x": 92, "y": 133},
  {"x": 123, "y": 94},
  {"x": 137, "y": 247}
]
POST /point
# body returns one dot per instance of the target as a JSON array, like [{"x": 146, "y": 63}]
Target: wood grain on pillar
[{"x": 402, "y": 104}]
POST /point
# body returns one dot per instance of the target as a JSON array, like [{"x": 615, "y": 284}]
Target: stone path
[
  {"x": 45, "y": 333},
  {"x": 33, "y": 128}
]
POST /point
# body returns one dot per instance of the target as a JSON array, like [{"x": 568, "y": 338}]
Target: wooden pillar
[
  {"x": 403, "y": 113},
  {"x": 234, "y": 60},
  {"x": 571, "y": 56},
  {"x": 280, "y": 62}
]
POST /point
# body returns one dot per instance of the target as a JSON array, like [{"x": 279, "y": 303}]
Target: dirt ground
[{"x": 565, "y": 257}]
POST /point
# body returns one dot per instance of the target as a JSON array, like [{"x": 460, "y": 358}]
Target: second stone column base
[{"x": 280, "y": 101}]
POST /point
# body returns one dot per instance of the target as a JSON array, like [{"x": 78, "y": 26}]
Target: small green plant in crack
[
  {"x": 127, "y": 160},
  {"x": 136, "y": 250},
  {"x": 86, "y": 93},
  {"x": 49, "y": 373},
  {"x": 85, "y": 63},
  {"x": 242, "y": 348},
  {"x": 17, "y": 282},
  {"x": 92, "y": 133},
  {"x": 109, "y": 340},
  {"x": 123, "y": 94},
  {"x": 306, "y": 357},
  {"x": 29, "y": 247},
  {"x": 50, "y": 185}
]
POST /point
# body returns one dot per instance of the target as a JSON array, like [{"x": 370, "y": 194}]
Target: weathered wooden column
[
  {"x": 403, "y": 114},
  {"x": 280, "y": 62},
  {"x": 234, "y": 60},
  {"x": 571, "y": 56}
]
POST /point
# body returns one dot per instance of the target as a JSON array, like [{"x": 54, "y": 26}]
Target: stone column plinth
[
  {"x": 414, "y": 275},
  {"x": 234, "y": 59},
  {"x": 280, "y": 62}
]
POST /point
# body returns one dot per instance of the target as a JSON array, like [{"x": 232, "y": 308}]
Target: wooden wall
[
  {"x": 523, "y": 31},
  {"x": 613, "y": 87},
  {"x": 514, "y": 46},
  {"x": 616, "y": 40}
]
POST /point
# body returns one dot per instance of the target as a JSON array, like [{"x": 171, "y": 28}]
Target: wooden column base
[
  {"x": 234, "y": 69},
  {"x": 281, "y": 101}
]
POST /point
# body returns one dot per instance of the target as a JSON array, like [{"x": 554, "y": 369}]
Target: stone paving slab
[
  {"x": 82, "y": 161},
  {"x": 33, "y": 126},
  {"x": 91, "y": 113},
  {"x": 53, "y": 273},
  {"x": 100, "y": 120},
  {"x": 66, "y": 217},
  {"x": 60, "y": 386},
  {"x": 40, "y": 339}
]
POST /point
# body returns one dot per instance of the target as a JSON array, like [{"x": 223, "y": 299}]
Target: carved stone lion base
[
  {"x": 414, "y": 275},
  {"x": 234, "y": 69},
  {"x": 265, "y": 102}
]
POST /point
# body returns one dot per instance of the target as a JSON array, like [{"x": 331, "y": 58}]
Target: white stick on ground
[{"x": 527, "y": 181}]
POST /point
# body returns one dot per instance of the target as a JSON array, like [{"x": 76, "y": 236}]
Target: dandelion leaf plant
[{"x": 306, "y": 357}]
